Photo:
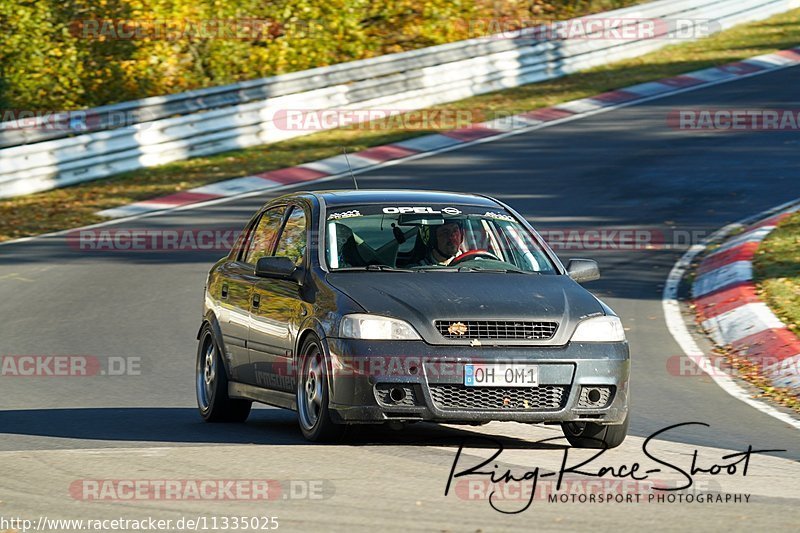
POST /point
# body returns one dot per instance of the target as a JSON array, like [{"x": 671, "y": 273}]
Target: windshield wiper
[
  {"x": 434, "y": 268},
  {"x": 387, "y": 268},
  {"x": 373, "y": 268},
  {"x": 473, "y": 269},
  {"x": 502, "y": 270}
]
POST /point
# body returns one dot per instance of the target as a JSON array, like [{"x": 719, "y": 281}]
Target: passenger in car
[{"x": 355, "y": 252}]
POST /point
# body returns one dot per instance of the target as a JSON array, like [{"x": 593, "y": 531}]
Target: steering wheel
[{"x": 474, "y": 254}]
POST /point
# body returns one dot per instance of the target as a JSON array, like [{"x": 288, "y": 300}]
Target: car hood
[{"x": 423, "y": 297}]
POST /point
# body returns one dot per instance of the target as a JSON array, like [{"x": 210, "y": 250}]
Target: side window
[
  {"x": 292, "y": 242},
  {"x": 239, "y": 250},
  {"x": 262, "y": 238}
]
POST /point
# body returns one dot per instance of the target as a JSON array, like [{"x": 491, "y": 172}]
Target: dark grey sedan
[{"x": 371, "y": 307}]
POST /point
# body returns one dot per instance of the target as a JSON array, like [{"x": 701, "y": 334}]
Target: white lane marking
[
  {"x": 677, "y": 326},
  {"x": 421, "y": 155},
  {"x": 15, "y": 277},
  {"x": 741, "y": 322},
  {"x": 149, "y": 451}
]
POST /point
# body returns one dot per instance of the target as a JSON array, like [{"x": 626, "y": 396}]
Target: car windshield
[{"x": 448, "y": 238}]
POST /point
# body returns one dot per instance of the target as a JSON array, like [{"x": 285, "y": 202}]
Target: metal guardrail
[{"x": 218, "y": 119}]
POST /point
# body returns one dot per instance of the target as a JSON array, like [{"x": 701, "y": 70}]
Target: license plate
[{"x": 501, "y": 375}]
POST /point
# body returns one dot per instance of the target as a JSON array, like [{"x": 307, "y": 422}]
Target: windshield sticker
[
  {"x": 421, "y": 210},
  {"x": 499, "y": 216},
  {"x": 346, "y": 214}
]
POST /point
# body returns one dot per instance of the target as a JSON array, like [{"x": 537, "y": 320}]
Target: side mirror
[
  {"x": 583, "y": 270},
  {"x": 275, "y": 267}
]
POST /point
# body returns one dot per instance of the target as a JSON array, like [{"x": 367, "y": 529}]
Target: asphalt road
[{"x": 621, "y": 169}]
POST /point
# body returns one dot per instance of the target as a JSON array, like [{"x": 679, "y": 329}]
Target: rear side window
[
  {"x": 292, "y": 243},
  {"x": 262, "y": 238}
]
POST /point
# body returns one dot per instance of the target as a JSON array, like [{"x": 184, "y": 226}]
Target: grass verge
[
  {"x": 77, "y": 206},
  {"x": 776, "y": 271}
]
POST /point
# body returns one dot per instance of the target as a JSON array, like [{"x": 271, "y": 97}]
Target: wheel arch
[
  {"x": 216, "y": 331},
  {"x": 309, "y": 327},
  {"x": 313, "y": 326}
]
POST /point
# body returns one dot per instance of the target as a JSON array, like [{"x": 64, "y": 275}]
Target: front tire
[
  {"x": 591, "y": 435},
  {"x": 313, "y": 395},
  {"x": 211, "y": 383}
]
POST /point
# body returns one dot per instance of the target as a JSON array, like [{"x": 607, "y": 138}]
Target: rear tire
[
  {"x": 211, "y": 384},
  {"x": 591, "y": 435},
  {"x": 313, "y": 394}
]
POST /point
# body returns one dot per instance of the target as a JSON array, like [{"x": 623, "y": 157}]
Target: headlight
[
  {"x": 599, "y": 329},
  {"x": 373, "y": 327}
]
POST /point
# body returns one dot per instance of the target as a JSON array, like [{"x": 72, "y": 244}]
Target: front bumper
[{"x": 363, "y": 373}]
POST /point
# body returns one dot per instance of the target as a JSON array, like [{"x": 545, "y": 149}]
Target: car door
[
  {"x": 236, "y": 283},
  {"x": 231, "y": 288},
  {"x": 277, "y": 310}
]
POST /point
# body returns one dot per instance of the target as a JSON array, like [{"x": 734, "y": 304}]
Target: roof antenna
[{"x": 344, "y": 151}]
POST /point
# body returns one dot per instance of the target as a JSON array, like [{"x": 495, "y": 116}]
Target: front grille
[
  {"x": 496, "y": 329},
  {"x": 541, "y": 398}
]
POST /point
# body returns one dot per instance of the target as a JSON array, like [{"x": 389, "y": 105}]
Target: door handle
[
  {"x": 256, "y": 300},
  {"x": 224, "y": 290}
]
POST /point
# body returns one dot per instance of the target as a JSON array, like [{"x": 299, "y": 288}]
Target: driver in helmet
[{"x": 444, "y": 245}]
